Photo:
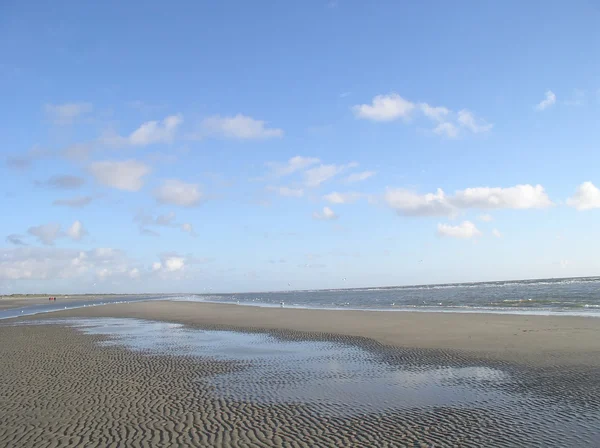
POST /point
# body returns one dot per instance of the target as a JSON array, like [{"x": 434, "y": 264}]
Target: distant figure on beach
[{"x": 282, "y": 304}]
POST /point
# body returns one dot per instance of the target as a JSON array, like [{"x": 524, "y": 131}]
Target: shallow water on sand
[{"x": 340, "y": 379}]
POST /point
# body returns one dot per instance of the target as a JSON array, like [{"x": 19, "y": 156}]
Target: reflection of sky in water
[
  {"x": 344, "y": 380},
  {"x": 335, "y": 377}
]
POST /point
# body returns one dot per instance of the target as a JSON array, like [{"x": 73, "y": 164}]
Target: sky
[{"x": 195, "y": 146}]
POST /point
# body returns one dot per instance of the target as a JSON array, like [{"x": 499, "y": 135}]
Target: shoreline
[
  {"x": 538, "y": 340},
  {"x": 458, "y": 309},
  {"x": 22, "y": 301}
]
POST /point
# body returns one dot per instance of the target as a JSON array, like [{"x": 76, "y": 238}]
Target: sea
[{"x": 565, "y": 296}]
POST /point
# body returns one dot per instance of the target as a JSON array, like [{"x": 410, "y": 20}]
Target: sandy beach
[
  {"x": 19, "y": 301},
  {"x": 59, "y": 387},
  {"x": 536, "y": 340}
]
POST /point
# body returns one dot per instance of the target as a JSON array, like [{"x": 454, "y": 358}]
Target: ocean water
[{"x": 568, "y": 296}]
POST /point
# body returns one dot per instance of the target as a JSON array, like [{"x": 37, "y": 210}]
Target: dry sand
[
  {"x": 59, "y": 388},
  {"x": 541, "y": 340}
]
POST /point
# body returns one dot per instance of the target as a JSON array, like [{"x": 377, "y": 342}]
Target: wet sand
[
  {"x": 58, "y": 387},
  {"x": 539, "y": 340},
  {"x": 15, "y": 301}
]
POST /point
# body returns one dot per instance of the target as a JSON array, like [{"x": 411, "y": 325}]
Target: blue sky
[{"x": 246, "y": 146}]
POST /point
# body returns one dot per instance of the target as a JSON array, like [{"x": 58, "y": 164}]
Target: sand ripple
[{"x": 60, "y": 388}]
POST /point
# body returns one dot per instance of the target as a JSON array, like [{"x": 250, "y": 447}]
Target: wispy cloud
[
  {"x": 127, "y": 175},
  {"x": 343, "y": 198},
  {"x": 48, "y": 233},
  {"x": 326, "y": 214},
  {"x": 577, "y": 99},
  {"x": 177, "y": 192},
  {"x": 150, "y": 132},
  {"x": 76, "y": 202},
  {"x": 464, "y": 230},
  {"x": 314, "y": 177},
  {"x": 449, "y": 124},
  {"x": 15, "y": 239},
  {"x": 287, "y": 191},
  {"x": 66, "y": 182},
  {"x": 67, "y": 113},
  {"x": 359, "y": 177},
  {"x": 296, "y": 163},
  {"x": 238, "y": 127},
  {"x": 548, "y": 101}
]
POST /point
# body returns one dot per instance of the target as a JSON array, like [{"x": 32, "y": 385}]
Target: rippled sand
[{"x": 61, "y": 387}]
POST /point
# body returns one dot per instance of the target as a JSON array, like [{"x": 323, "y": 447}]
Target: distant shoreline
[{"x": 358, "y": 288}]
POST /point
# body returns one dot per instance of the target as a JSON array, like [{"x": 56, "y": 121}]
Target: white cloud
[
  {"x": 101, "y": 264},
  {"x": 446, "y": 129},
  {"x": 76, "y": 202},
  {"x": 485, "y": 218},
  {"x": 239, "y": 127},
  {"x": 434, "y": 113},
  {"x": 123, "y": 175},
  {"x": 359, "y": 177},
  {"x": 464, "y": 230},
  {"x": 46, "y": 233},
  {"x": 314, "y": 177},
  {"x": 547, "y": 102},
  {"x": 467, "y": 120},
  {"x": 172, "y": 264},
  {"x": 176, "y": 192},
  {"x": 84, "y": 268},
  {"x": 44, "y": 263},
  {"x": 156, "y": 131},
  {"x": 325, "y": 215},
  {"x": 343, "y": 198},
  {"x": 76, "y": 231},
  {"x": 287, "y": 191},
  {"x": 294, "y": 164},
  {"x": 496, "y": 233},
  {"x": 385, "y": 108},
  {"x": 150, "y": 132},
  {"x": 586, "y": 197},
  {"x": 449, "y": 124},
  {"x": 67, "y": 113},
  {"x": 410, "y": 203},
  {"x": 169, "y": 264},
  {"x": 517, "y": 197}
]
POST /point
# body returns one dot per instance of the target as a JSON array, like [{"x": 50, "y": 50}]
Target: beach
[{"x": 498, "y": 380}]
